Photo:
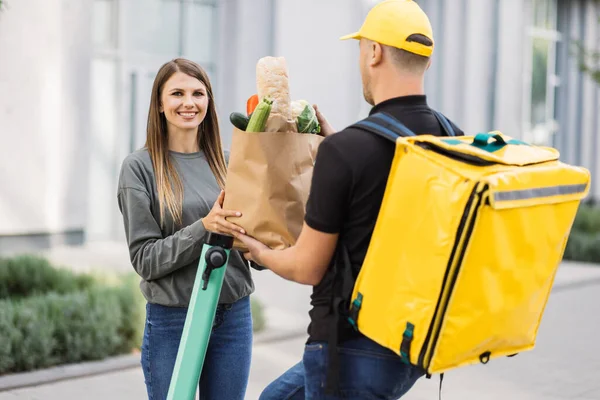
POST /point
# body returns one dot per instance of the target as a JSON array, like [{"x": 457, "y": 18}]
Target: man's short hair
[{"x": 409, "y": 61}]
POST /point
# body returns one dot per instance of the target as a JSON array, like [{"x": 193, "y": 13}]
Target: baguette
[{"x": 272, "y": 82}]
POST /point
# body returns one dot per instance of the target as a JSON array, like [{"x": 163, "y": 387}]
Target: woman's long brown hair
[{"x": 168, "y": 183}]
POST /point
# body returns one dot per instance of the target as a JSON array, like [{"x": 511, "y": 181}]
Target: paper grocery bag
[{"x": 268, "y": 180}]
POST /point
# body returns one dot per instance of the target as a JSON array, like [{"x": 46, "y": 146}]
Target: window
[
  {"x": 151, "y": 27},
  {"x": 169, "y": 28},
  {"x": 103, "y": 24},
  {"x": 201, "y": 23},
  {"x": 541, "y": 81}
]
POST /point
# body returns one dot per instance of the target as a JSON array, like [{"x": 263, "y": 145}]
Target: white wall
[
  {"x": 107, "y": 137},
  {"x": 591, "y": 39},
  {"x": 478, "y": 67},
  {"x": 44, "y": 115},
  {"x": 461, "y": 82},
  {"x": 323, "y": 69},
  {"x": 509, "y": 89},
  {"x": 451, "y": 58},
  {"x": 244, "y": 36}
]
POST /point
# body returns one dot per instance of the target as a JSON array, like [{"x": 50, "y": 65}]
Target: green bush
[
  {"x": 584, "y": 247},
  {"x": 584, "y": 241},
  {"x": 86, "y": 325},
  {"x": 258, "y": 315},
  {"x": 52, "y": 329},
  {"x": 587, "y": 219},
  {"x": 133, "y": 317},
  {"x": 24, "y": 276},
  {"x": 8, "y": 336},
  {"x": 51, "y": 316},
  {"x": 32, "y": 332}
]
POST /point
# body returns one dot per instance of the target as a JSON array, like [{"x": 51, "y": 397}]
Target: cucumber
[
  {"x": 258, "y": 121},
  {"x": 239, "y": 120}
]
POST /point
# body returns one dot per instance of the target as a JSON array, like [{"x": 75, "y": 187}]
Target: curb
[
  {"x": 566, "y": 286},
  {"x": 68, "y": 371},
  {"x": 112, "y": 364}
]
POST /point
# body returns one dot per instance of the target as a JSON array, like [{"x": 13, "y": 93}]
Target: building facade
[{"x": 73, "y": 105}]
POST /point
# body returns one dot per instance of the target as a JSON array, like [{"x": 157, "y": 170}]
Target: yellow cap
[{"x": 391, "y": 22}]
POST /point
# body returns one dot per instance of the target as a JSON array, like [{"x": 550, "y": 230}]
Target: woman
[{"x": 170, "y": 194}]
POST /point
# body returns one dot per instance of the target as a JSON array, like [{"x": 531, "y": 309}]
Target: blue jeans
[
  {"x": 227, "y": 363},
  {"x": 367, "y": 371}
]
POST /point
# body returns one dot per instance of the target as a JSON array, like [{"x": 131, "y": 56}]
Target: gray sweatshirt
[{"x": 167, "y": 259}]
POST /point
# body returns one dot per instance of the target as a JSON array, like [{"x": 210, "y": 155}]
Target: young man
[{"x": 348, "y": 185}]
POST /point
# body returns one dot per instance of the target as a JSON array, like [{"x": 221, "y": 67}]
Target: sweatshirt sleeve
[{"x": 153, "y": 256}]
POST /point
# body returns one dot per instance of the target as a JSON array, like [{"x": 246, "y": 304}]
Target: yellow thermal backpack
[{"x": 466, "y": 246}]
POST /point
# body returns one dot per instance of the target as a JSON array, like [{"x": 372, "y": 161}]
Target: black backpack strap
[
  {"x": 445, "y": 123},
  {"x": 386, "y": 126},
  {"x": 343, "y": 285}
]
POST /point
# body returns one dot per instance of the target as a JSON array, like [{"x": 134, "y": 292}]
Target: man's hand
[
  {"x": 255, "y": 248},
  {"x": 305, "y": 262},
  {"x": 326, "y": 128}
]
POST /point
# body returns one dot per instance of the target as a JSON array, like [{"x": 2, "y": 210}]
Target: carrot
[{"x": 251, "y": 104}]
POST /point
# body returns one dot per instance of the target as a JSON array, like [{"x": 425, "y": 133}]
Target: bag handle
[{"x": 482, "y": 139}]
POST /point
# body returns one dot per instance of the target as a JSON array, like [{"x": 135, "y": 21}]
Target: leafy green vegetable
[{"x": 307, "y": 121}]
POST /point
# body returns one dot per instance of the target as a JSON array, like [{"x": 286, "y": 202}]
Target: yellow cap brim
[{"x": 355, "y": 35}]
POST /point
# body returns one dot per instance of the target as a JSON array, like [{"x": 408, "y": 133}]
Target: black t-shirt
[{"x": 348, "y": 184}]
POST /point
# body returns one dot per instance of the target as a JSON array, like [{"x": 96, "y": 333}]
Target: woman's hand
[{"x": 216, "y": 221}]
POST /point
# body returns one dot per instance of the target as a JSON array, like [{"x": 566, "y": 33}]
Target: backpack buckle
[
  {"x": 407, "y": 338},
  {"x": 354, "y": 309}
]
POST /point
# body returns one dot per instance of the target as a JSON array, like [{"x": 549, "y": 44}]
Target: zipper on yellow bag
[{"x": 465, "y": 231}]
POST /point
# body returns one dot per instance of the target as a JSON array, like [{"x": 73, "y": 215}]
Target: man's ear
[
  {"x": 376, "y": 53},
  {"x": 428, "y": 64}
]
